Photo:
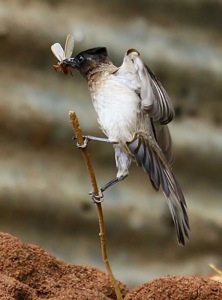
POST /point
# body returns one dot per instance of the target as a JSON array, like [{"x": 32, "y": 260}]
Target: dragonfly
[{"x": 61, "y": 54}]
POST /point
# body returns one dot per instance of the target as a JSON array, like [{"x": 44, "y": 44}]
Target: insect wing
[
  {"x": 69, "y": 46},
  {"x": 58, "y": 51}
]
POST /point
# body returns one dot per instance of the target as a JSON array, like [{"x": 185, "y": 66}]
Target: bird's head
[{"x": 88, "y": 60}]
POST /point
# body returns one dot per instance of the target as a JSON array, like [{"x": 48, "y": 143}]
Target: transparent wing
[
  {"x": 58, "y": 51},
  {"x": 69, "y": 46}
]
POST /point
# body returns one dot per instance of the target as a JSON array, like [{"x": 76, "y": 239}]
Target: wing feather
[
  {"x": 150, "y": 157},
  {"x": 154, "y": 98},
  {"x": 162, "y": 109}
]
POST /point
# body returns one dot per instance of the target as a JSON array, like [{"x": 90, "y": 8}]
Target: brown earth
[{"x": 30, "y": 273}]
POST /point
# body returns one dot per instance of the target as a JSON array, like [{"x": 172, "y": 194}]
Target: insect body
[{"x": 61, "y": 54}]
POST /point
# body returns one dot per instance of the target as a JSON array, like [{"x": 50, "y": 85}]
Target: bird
[{"x": 133, "y": 111}]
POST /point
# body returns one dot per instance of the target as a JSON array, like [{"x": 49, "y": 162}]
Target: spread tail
[{"x": 149, "y": 156}]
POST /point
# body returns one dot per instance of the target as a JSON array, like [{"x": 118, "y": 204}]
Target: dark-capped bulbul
[{"x": 133, "y": 111}]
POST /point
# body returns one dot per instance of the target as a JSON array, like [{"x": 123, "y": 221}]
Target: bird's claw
[
  {"x": 97, "y": 198},
  {"x": 85, "y": 142}
]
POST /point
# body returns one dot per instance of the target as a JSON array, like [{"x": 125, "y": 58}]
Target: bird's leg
[
  {"x": 99, "y": 198},
  {"x": 112, "y": 182},
  {"x": 88, "y": 138}
]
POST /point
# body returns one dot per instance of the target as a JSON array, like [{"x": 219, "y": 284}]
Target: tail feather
[{"x": 150, "y": 157}]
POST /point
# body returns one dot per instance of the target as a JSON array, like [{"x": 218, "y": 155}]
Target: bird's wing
[
  {"x": 152, "y": 149},
  {"x": 163, "y": 138},
  {"x": 154, "y": 98},
  {"x": 149, "y": 156}
]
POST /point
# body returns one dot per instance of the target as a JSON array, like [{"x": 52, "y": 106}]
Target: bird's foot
[
  {"x": 85, "y": 142},
  {"x": 97, "y": 198}
]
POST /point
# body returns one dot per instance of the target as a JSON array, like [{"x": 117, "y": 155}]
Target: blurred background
[{"x": 44, "y": 184}]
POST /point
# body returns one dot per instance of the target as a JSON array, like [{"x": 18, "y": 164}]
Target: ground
[{"x": 30, "y": 273}]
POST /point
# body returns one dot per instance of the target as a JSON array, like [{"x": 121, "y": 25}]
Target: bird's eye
[{"x": 80, "y": 59}]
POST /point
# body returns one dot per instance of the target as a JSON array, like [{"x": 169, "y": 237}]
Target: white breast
[{"x": 117, "y": 108}]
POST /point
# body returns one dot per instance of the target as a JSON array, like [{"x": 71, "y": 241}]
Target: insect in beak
[{"x": 61, "y": 54}]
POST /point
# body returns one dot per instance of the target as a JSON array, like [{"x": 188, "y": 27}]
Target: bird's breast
[{"x": 117, "y": 108}]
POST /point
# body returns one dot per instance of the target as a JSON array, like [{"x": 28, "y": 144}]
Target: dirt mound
[{"x": 28, "y": 272}]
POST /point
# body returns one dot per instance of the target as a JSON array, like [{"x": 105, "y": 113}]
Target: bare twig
[
  {"x": 80, "y": 140},
  {"x": 219, "y": 272}
]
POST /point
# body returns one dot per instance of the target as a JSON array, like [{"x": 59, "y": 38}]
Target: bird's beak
[{"x": 70, "y": 62}]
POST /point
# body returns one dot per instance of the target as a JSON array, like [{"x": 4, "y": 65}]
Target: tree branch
[{"x": 80, "y": 140}]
